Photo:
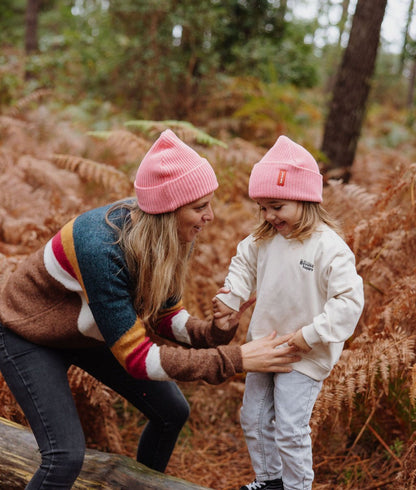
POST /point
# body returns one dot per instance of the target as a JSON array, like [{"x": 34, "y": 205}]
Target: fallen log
[{"x": 19, "y": 459}]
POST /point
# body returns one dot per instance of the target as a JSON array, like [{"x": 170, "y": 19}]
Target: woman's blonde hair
[
  {"x": 311, "y": 216},
  {"x": 156, "y": 259}
]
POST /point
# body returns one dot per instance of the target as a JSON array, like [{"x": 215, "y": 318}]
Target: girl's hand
[
  {"x": 265, "y": 355},
  {"x": 224, "y": 315},
  {"x": 298, "y": 341},
  {"x": 220, "y": 308}
]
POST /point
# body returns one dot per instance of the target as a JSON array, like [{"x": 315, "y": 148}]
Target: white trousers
[{"x": 275, "y": 419}]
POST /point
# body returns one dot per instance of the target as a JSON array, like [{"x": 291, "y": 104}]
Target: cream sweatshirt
[{"x": 313, "y": 286}]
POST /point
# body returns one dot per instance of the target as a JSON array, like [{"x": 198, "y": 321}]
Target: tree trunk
[
  {"x": 406, "y": 37},
  {"x": 352, "y": 86},
  {"x": 411, "y": 87},
  {"x": 19, "y": 459},
  {"x": 31, "y": 21}
]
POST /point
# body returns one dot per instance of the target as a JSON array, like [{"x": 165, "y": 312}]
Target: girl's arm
[
  {"x": 344, "y": 305},
  {"x": 241, "y": 279}
]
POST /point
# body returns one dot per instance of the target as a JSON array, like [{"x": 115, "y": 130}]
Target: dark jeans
[{"x": 37, "y": 376}]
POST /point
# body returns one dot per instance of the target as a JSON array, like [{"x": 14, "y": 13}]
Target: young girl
[{"x": 307, "y": 285}]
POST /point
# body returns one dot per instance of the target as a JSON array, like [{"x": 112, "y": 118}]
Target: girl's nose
[{"x": 270, "y": 216}]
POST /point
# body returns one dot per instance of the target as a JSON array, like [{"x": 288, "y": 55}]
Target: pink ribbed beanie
[
  {"x": 287, "y": 171},
  {"x": 171, "y": 175}
]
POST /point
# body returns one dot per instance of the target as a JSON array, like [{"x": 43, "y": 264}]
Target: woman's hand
[{"x": 265, "y": 355}]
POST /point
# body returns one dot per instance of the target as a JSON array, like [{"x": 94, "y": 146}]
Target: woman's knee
[
  {"x": 75, "y": 456},
  {"x": 180, "y": 415},
  {"x": 60, "y": 467}
]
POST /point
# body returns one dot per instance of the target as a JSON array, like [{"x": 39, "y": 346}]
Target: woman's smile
[{"x": 193, "y": 217}]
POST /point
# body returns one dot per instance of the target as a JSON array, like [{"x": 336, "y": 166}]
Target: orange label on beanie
[{"x": 281, "y": 178}]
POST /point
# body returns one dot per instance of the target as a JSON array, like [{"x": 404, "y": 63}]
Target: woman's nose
[{"x": 209, "y": 215}]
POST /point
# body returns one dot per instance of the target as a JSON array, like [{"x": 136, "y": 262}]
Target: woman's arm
[
  {"x": 109, "y": 298},
  {"x": 216, "y": 365},
  {"x": 266, "y": 355},
  {"x": 176, "y": 324}
]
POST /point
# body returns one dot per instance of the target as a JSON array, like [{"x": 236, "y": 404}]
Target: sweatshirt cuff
[
  {"x": 310, "y": 335},
  {"x": 230, "y": 300}
]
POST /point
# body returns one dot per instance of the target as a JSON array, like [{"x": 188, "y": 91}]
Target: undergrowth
[{"x": 363, "y": 425}]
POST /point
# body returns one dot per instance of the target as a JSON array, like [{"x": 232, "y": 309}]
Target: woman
[{"x": 93, "y": 295}]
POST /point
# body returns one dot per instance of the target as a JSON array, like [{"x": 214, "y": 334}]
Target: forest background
[{"x": 85, "y": 88}]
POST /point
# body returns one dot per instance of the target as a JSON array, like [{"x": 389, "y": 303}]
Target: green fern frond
[
  {"x": 101, "y": 135},
  {"x": 184, "y": 128}
]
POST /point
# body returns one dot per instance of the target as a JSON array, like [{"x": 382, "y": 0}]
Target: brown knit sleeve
[
  {"x": 204, "y": 333},
  {"x": 211, "y": 365}
]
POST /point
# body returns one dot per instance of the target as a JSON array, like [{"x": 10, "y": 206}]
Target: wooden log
[{"x": 19, "y": 459}]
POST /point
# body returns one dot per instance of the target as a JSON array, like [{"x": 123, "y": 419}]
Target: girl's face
[
  {"x": 192, "y": 217},
  {"x": 281, "y": 214}
]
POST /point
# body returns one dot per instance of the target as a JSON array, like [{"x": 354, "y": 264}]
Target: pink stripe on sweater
[
  {"x": 59, "y": 253},
  {"x": 164, "y": 326},
  {"x": 136, "y": 360}
]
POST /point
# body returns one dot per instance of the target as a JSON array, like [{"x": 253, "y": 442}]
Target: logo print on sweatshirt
[
  {"x": 281, "y": 177},
  {"x": 306, "y": 265}
]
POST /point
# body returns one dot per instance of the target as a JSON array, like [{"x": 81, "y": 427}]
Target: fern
[
  {"x": 27, "y": 101},
  {"x": 127, "y": 148},
  {"x": 122, "y": 138},
  {"x": 91, "y": 171},
  {"x": 184, "y": 129},
  {"x": 93, "y": 396},
  {"x": 7, "y": 122}
]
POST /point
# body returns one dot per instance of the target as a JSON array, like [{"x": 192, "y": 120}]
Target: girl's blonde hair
[
  {"x": 156, "y": 259},
  {"x": 311, "y": 216}
]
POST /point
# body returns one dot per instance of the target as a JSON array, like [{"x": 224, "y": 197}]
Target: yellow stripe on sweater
[
  {"x": 69, "y": 249},
  {"x": 166, "y": 312},
  {"x": 129, "y": 341}
]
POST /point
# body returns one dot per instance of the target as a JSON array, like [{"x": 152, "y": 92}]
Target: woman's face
[
  {"x": 281, "y": 214},
  {"x": 192, "y": 217}
]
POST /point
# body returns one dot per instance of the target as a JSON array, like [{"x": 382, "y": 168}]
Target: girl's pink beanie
[
  {"x": 171, "y": 175},
  {"x": 287, "y": 171}
]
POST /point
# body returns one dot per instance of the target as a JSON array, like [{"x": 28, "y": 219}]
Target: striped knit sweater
[{"x": 76, "y": 291}]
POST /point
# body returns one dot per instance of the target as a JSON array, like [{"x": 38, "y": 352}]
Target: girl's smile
[{"x": 281, "y": 214}]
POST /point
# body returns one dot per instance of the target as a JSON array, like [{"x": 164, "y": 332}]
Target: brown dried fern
[
  {"x": 91, "y": 397},
  {"x": 348, "y": 203},
  {"x": 123, "y": 140},
  {"x": 365, "y": 369},
  {"x": 6, "y": 122},
  {"x": 25, "y": 102},
  {"x": 90, "y": 171},
  {"x": 383, "y": 347}
]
